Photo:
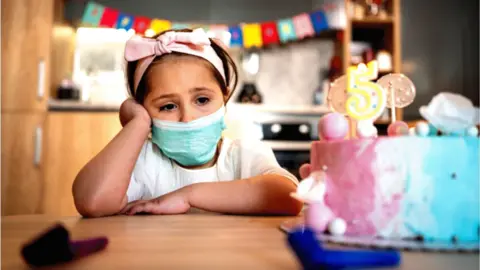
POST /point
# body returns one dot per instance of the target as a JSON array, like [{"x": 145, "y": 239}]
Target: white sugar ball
[
  {"x": 411, "y": 131},
  {"x": 337, "y": 226},
  {"x": 365, "y": 130},
  {"x": 422, "y": 129},
  {"x": 472, "y": 131}
]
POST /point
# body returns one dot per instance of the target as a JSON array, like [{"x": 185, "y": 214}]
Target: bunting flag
[
  {"x": 286, "y": 30},
  {"x": 159, "y": 26},
  {"x": 141, "y": 24},
  {"x": 177, "y": 26},
  {"x": 270, "y": 33},
  {"x": 109, "y": 18},
  {"x": 252, "y": 35},
  {"x": 247, "y": 35},
  {"x": 303, "y": 26},
  {"x": 236, "y": 36},
  {"x": 214, "y": 30},
  {"x": 219, "y": 32},
  {"x": 125, "y": 21},
  {"x": 92, "y": 14},
  {"x": 198, "y": 25},
  {"x": 319, "y": 21}
]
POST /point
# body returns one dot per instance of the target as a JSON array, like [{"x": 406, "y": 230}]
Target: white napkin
[{"x": 451, "y": 113}]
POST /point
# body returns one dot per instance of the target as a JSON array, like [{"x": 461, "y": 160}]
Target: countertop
[
  {"x": 68, "y": 105},
  {"x": 196, "y": 240},
  {"x": 78, "y": 106}
]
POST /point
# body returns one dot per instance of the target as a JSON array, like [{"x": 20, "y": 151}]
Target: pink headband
[{"x": 146, "y": 49}]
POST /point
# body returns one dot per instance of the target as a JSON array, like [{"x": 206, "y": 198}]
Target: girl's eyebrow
[
  {"x": 201, "y": 88},
  {"x": 193, "y": 90},
  {"x": 164, "y": 96}
]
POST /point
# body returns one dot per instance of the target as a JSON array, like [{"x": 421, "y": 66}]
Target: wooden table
[{"x": 191, "y": 241}]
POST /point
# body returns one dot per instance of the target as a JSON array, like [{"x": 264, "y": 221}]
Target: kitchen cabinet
[
  {"x": 26, "y": 33},
  {"x": 26, "y": 37},
  {"x": 73, "y": 139},
  {"x": 22, "y": 163}
]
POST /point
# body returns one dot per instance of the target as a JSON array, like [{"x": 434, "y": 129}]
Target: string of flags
[{"x": 246, "y": 35}]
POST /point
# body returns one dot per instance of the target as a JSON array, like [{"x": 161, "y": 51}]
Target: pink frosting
[{"x": 353, "y": 192}]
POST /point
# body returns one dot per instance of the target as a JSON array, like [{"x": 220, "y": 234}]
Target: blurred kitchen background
[{"x": 63, "y": 82}]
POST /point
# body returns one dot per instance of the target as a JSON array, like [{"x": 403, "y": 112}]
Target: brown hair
[{"x": 231, "y": 72}]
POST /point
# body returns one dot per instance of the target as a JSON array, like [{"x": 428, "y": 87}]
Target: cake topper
[
  {"x": 366, "y": 100},
  {"x": 451, "y": 113},
  {"x": 356, "y": 95},
  {"x": 400, "y": 91},
  {"x": 337, "y": 95}
]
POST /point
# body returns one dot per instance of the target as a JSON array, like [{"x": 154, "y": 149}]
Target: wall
[
  {"x": 289, "y": 75},
  {"x": 440, "y": 48},
  {"x": 439, "y": 42},
  {"x": 203, "y": 11}
]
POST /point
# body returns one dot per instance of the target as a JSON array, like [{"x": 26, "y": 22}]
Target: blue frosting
[{"x": 452, "y": 163}]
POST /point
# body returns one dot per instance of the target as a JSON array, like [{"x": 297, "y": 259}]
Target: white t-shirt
[{"x": 155, "y": 174}]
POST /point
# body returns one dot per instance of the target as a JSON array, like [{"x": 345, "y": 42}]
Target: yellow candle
[{"x": 360, "y": 105}]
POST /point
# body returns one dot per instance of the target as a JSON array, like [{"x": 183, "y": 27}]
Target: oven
[{"x": 290, "y": 137}]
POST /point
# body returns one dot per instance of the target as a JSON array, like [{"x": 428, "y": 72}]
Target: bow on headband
[{"x": 194, "y": 43}]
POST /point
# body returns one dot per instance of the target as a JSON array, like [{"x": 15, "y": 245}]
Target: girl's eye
[
  {"x": 168, "y": 107},
  {"x": 202, "y": 100}
]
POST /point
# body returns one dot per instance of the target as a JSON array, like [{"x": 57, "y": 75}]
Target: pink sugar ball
[
  {"x": 398, "y": 128},
  {"x": 332, "y": 126},
  {"x": 318, "y": 216}
]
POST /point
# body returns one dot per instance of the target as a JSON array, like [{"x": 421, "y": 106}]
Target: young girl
[{"x": 180, "y": 83}]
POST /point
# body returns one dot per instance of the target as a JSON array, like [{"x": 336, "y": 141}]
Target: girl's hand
[
  {"x": 305, "y": 170},
  {"x": 130, "y": 109},
  {"x": 175, "y": 202}
]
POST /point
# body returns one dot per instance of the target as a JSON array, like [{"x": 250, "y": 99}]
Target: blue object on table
[{"x": 313, "y": 256}]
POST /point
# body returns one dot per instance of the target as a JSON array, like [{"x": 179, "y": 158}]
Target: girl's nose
[{"x": 187, "y": 115}]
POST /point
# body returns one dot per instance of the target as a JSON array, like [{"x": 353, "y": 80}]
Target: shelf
[
  {"x": 372, "y": 22},
  {"x": 382, "y": 122},
  {"x": 284, "y": 109}
]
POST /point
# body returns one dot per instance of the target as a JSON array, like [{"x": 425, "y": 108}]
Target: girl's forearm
[
  {"x": 100, "y": 187},
  {"x": 265, "y": 194}
]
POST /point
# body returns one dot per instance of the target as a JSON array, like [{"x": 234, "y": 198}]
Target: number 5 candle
[{"x": 366, "y": 100}]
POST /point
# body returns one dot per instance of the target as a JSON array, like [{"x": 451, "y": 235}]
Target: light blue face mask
[{"x": 190, "y": 144}]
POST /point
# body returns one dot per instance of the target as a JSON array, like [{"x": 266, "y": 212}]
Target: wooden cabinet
[
  {"x": 73, "y": 139},
  {"x": 22, "y": 163},
  {"x": 26, "y": 37}
]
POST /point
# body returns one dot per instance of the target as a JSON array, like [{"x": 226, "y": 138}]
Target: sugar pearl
[
  {"x": 411, "y": 131},
  {"x": 366, "y": 130},
  {"x": 333, "y": 126},
  {"x": 337, "y": 226},
  {"x": 422, "y": 129},
  {"x": 318, "y": 216},
  {"x": 397, "y": 128},
  {"x": 472, "y": 131}
]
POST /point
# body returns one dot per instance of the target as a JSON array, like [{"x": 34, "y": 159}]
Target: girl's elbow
[
  {"x": 86, "y": 202},
  {"x": 294, "y": 207},
  {"x": 86, "y": 205}
]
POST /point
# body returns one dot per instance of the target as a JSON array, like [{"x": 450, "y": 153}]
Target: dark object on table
[
  {"x": 54, "y": 246},
  {"x": 249, "y": 94},
  {"x": 313, "y": 256},
  {"x": 68, "y": 91}
]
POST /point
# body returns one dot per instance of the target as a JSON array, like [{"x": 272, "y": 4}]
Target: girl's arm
[
  {"x": 100, "y": 187},
  {"x": 267, "y": 194}
]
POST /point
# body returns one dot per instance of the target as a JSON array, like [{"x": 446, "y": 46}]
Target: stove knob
[
  {"x": 276, "y": 128},
  {"x": 304, "y": 129}
]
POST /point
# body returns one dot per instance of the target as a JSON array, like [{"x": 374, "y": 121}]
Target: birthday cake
[
  {"x": 412, "y": 184},
  {"x": 403, "y": 187}
]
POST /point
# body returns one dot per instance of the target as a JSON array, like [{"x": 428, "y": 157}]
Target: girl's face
[{"x": 182, "y": 89}]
